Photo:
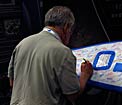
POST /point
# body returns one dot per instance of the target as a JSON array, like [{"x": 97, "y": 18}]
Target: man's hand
[
  {"x": 86, "y": 69},
  {"x": 86, "y": 72}
]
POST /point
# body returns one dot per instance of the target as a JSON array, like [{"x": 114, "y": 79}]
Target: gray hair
[{"x": 59, "y": 16}]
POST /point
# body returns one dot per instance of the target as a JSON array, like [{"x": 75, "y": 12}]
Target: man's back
[{"x": 37, "y": 66}]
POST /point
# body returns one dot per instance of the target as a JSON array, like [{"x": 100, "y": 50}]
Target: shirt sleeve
[
  {"x": 68, "y": 78},
  {"x": 11, "y": 66}
]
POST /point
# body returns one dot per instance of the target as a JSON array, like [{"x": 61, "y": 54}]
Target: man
[{"x": 42, "y": 69}]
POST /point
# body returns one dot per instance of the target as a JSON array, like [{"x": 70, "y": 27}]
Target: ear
[{"x": 66, "y": 27}]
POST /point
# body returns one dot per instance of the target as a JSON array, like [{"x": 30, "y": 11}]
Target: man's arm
[
  {"x": 11, "y": 69},
  {"x": 87, "y": 71},
  {"x": 11, "y": 82}
]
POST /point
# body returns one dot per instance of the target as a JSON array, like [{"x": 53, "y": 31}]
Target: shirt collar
[{"x": 52, "y": 33}]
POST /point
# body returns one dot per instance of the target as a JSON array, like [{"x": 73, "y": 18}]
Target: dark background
[{"x": 97, "y": 21}]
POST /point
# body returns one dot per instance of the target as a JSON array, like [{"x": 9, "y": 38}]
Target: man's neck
[{"x": 56, "y": 29}]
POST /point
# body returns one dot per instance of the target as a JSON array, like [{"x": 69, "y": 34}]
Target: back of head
[{"x": 59, "y": 16}]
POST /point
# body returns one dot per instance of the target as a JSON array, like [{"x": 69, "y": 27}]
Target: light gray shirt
[{"x": 43, "y": 70}]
